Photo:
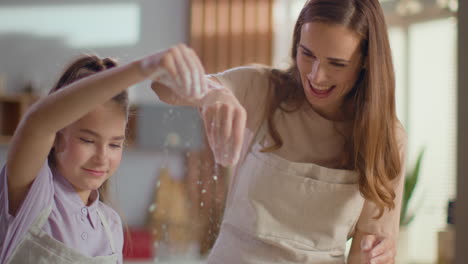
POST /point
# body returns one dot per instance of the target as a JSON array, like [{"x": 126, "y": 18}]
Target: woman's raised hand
[
  {"x": 225, "y": 122},
  {"x": 178, "y": 68}
]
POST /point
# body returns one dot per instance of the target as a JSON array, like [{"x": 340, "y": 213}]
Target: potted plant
[
  {"x": 411, "y": 180},
  {"x": 407, "y": 216}
]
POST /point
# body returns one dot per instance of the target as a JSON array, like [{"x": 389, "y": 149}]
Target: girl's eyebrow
[
  {"x": 90, "y": 132},
  {"x": 329, "y": 58}
]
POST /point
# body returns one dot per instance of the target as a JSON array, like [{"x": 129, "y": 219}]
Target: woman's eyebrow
[{"x": 329, "y": 58}]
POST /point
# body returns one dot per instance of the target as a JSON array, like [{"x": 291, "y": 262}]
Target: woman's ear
[{"x": 365, "y": 63}]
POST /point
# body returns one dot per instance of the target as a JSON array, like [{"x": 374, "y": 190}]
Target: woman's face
[
  {"x": 89, "y": 151},
  {"x": 329, "y": 61}
]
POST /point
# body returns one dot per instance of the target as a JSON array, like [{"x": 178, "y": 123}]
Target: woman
[{"x": 321, "y": 152}]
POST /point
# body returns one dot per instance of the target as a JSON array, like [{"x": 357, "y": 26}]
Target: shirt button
[
  {"x": 83, "y": 218},
  {"x": 84, "y": 210},
  {"x": 84, "y": 235}
]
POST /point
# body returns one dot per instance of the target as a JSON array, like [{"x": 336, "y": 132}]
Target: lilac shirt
[{"x": 71, "y": 222}]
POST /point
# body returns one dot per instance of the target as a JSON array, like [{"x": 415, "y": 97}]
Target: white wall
[{"x": 26, "y": 56}]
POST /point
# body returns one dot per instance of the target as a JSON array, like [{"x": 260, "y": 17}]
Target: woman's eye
[
  {"x": 338, "y": 64},
  {"x": 86, "y": 140},
  {"x": 307, "y": 54},
  {"x": 115, "y": 145}
]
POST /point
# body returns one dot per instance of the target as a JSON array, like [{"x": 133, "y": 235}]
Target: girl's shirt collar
[{"x": 74, "y": 201}]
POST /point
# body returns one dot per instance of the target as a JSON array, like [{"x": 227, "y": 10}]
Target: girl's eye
[
  {"x": 86, "y": 140},
  {"x": 115, "y": 145}
]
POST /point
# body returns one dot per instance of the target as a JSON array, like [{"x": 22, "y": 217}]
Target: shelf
[
  {"x": 12, "y": 109},
  {"x": 5, "y": 140}
]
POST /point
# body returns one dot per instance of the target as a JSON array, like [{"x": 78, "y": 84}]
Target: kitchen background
[{"x": 167, "y": 188}]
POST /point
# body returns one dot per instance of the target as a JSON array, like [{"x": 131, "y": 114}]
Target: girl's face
[
  {"x": 89, "y": 151},
  {"x": 329, "y": 61}
]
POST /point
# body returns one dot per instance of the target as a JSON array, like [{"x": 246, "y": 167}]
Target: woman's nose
[{"x": 317, "y": 74}]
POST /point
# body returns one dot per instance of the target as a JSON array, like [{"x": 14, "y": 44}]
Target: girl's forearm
[{"x": 67, "y": 105}]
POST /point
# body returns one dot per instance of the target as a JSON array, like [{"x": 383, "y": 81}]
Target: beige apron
[
  {"x": 40, "y": 248},
  {"x": 287, "y": 212}
]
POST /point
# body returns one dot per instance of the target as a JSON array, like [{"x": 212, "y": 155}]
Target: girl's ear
[{"x": 58, "y": 143}]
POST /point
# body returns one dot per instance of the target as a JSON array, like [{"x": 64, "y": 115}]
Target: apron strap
[
  {"x": 106, "y": 228},
  {"x": 262, "y": 132},
  {"x": 41, "y": 219},
  {"x": 259, "y": 137}
]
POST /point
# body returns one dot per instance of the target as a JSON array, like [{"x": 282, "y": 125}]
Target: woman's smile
[{"x": 321, "y": 91}]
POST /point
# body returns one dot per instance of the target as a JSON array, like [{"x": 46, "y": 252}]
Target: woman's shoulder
[
  {"x": 400, "y": 134},
  {"x": 249, "y": 69},
  {"x": 250, "y": 85},
  {"x": 244, "y": 73}
]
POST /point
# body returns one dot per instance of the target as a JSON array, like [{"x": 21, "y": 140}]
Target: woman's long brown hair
[{"x": 372, "y": 148}]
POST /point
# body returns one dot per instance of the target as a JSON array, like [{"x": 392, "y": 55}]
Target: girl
[
  {"x": 322, "y": 155},
  {"x": 62, "y": 154}
]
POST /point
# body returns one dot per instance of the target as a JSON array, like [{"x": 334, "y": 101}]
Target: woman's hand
[
  {"x": 178, "y": 68},
  {"x": 378, "y": 250},
  {"x": 225, "y": 122}
]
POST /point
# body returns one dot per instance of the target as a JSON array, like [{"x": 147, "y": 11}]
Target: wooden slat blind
[
  {"x": 230, "y": 33},
  {"x": 225, "y": 34}
]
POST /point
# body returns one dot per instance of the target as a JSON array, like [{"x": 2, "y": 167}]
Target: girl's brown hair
[
  {"x": 84, "y": 66},
  {"x": 373, "y": 147}
]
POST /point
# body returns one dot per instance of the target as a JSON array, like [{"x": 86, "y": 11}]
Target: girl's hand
[
  {"x": 225, "y": 122},
  {"x": 178, "y": 68},
  {"x": 378, "y": 250}
]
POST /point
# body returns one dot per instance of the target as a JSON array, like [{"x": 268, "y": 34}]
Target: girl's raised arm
[{"x": 35, "y": 135}]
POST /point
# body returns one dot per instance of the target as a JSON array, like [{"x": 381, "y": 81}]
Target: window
[
  {"x": 431, "y": 123},
  {"x": 79, "y": 26}
]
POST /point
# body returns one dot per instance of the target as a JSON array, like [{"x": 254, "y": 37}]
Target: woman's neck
[{"x": 341, "y": 112}]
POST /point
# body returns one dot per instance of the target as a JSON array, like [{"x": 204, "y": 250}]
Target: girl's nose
[{"x": 101, "y": 154}]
